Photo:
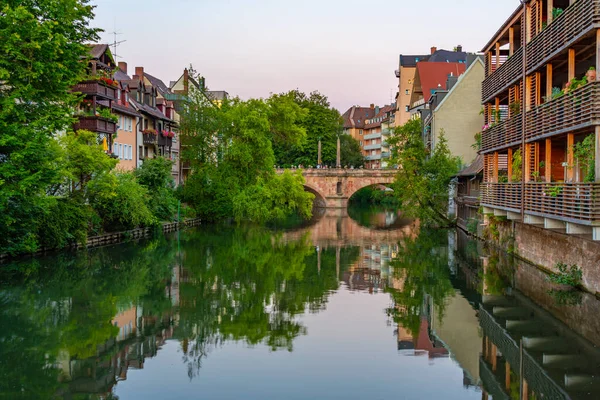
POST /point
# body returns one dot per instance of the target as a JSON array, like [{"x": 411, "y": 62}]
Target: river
[{"x": 357, "y": 304}]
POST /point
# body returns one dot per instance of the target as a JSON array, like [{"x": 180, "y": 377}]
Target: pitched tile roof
[
  {"x": 382, "y": 111},
  {"x": 157, "y": 83},
  {"x": 96, "y": 50},
  {"x": 433, "y": 75},
  {"x": 121, "y": 76},
  {"x": 412, "y": 60},
  {"x": 448, "y": 56},
  {"x": 125, "y": 110},
  {"x": 355, "y": 116},
  {"x": 474, "y": 169},
  {"x": 152, "y": 111}
]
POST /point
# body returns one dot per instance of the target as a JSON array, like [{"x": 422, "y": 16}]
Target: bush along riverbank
[{"x": 91, "y": 198}]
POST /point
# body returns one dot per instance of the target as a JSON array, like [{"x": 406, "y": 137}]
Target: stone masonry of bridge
[{"x": 333, "y": 187}]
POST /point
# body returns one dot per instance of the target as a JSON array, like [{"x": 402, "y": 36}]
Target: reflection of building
[
  {"x": 557, "y": 364},
  {"x": 424, "y": 341},
  {"x": 139, "y": 337},
  {"x": 468, "y": 182}
]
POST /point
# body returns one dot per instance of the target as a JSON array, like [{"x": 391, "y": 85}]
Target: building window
[
  {"x": 141, "y": 152},
  {"x": 116, "y": 148},
  {"x": 360, "y": 131},
  {"x": 120, "y": 151},
  {"x": 407, "y": 91},
  {"x": 405, "y": 108},
  {"x": 361, "y": 142}
]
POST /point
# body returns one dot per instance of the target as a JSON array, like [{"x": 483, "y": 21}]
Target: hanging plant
[
  {"x": 149, "y": 131},
  {"x": 517, "y": 164},
  {"x": 584, "y": 152}
]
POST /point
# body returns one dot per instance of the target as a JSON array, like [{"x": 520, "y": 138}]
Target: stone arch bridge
[{"x": 333, "y": 187}]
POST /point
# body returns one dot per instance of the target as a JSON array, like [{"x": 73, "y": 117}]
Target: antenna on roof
[{"x": 115, "y": 43}]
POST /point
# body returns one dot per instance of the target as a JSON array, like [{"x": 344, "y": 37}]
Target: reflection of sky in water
[{"x": 350, "y": 352}]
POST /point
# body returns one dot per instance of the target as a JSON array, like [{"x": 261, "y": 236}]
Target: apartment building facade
[
  {"x": 541, "y": 100},
  {"x": 406, "y": 71},
  {"x": 376, "y": 132}
]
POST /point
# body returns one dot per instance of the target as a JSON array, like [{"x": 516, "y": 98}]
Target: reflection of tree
[
  {"x": 62, "y": 306},
  {"x": 241, "y": 284},
  {"x": 247, "y": 284},
  {"x": 422, "y": 267}
]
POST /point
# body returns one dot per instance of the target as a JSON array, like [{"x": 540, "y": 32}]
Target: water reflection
[{"x": 374, "y": 301}]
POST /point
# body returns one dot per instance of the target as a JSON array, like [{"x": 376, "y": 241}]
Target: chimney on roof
[
  {"x": 433, "y": 49},
  {"x": 372, "y": 106},
  {"x": 186, "y": 79},
  {"x": 459, "y": 48},
  {"x": 139, "y": 72},
  {"x": 123, "y": 66},
  {"x": 451, "y": 81}
]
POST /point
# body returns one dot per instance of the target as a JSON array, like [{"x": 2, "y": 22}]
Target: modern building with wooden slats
[{"x": 541, "y": 102}]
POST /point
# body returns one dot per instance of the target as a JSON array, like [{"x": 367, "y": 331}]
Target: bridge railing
[{"x": 313, "y": 169}]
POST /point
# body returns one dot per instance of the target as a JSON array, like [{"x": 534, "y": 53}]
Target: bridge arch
[
  {"x": 319, "y": 200},
  {"x": 357, "y": 188},
  {"x": 333, "y": 187}
]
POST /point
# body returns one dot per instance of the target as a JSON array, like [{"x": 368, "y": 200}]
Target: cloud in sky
[{"x": 347, "y": 50}]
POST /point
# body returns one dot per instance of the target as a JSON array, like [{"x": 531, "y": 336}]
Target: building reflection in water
[{"x": 499, "y": 319}]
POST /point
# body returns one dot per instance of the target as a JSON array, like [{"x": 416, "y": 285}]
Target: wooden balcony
[
  {"x": 506, "y": 196},
  {"x": 575, "y": 110},
  {"x": 149, "y": 139},
  {"x": 95, "y": 124},
  {"x": 504, "y": 76},
  {"x": 165, "y": 141},
  {"x": 504, "y": 134},
  {"x": 575, "y": 22},
  {"x": 96, "y": 88},
  {"x": 571, "y": 202}
]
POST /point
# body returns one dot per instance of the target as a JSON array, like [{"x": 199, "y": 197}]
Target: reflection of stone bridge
[
  {"x": 335, "y": 229},
  {"x": 333, "y": 187}
]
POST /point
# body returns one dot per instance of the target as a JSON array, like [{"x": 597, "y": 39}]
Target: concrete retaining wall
[{"x": 545, "y": 248}]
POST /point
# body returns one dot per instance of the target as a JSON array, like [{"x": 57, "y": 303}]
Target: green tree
[
  {"x": 320, "y": 121},
  {"x": 120, "y": 201},
  {"x": 43, "y": 56},
  {"x": 155, "y": 175},
  {"x": 83, "y": 158},
  {"x": 422, "y": 182},
  {"x": 230, "y": 149},
  {"x": 350, "y": 152}
]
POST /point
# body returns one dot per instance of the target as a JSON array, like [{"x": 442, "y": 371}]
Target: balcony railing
[
  {"x": 504, "y": 76},
  {"x": 504, "y": 134},
  {"x": 96, "y": 88},
  {"x": 95, "y": 124},
  {"x": 373, "y": 136},
  {"x": 149, "y": 139},
  {"x": 385, "y": 154},
  {"x": 373, "y": 157},
  {"x": 502, "y": 195},
  {"x": 571, "y": 111},
  {"x": 372, "y": 146},
  {"x": 577, "y": 20},
  {"x": 574, "y": 202},
  {"x": 165, "y": 141}
]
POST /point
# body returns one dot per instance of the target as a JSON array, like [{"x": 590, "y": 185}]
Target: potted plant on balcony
[
  {"x": 591, "y": 74},
  {"x": 515, "y": 108},
  {"x": 106, "y": 114},
  {"x": 149, "y": 131}
]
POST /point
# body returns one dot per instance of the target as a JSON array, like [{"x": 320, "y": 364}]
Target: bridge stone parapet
[{"x": 333, "y": 187}]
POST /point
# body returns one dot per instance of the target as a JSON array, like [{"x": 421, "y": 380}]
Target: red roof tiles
[{"x": 433, "y": 75}]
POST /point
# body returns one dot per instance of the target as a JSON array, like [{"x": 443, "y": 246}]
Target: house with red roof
[{"x": 429, "y": 78}]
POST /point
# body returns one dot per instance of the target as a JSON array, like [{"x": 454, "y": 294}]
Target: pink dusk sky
[{"x": 347, "y": 50}]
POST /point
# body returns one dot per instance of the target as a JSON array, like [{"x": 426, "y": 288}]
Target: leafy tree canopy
[
  {"x": 423, "y": 179},
  {"x": 43, "y": 56}
]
